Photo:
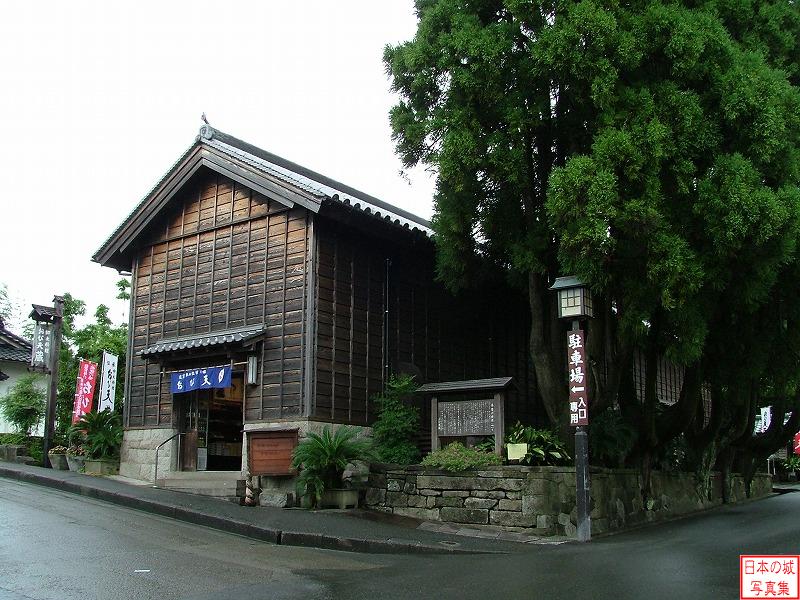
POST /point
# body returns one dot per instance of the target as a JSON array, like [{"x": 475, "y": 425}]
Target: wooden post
[
  {"x": 499, "y": 422},
  {"x": 434, "y": 424},
  {"x": 55, "y": 355}
]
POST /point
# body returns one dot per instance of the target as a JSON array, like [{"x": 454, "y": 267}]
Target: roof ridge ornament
[{"x": 206, "y": 130}]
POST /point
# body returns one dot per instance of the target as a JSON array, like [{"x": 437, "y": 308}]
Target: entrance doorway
[{"x": 211, "y": 423}]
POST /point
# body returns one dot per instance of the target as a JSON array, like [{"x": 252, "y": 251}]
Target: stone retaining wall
[
  {"x": 540, "y": 500},
  {"x": 138, "y": 452}
]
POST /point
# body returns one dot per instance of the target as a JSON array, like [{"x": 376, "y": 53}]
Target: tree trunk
[
  {"x": 550, "y": 379},
  {"x": 704, "y": 441},
  {"x": 725, "y": 467},
  {"x": 648, "y": 441}
]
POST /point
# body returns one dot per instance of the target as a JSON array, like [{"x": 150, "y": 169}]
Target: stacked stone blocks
[{"x": 537, "y": 500}]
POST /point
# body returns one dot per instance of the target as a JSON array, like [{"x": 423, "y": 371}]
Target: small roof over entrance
[
  {"x": 241, "y": 335},
  {"x": 470, "y": 385}
]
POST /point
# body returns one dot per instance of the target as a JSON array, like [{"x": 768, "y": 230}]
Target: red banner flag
[
  {"x": 84, "y": 389},
  {"x": 797, "y": 443}
]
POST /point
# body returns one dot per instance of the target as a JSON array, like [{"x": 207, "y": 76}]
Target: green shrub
[
  {"x": 13, "y": 439},
  {"x": 792, "y": 463},
  {"x": 485, "y": 445},
  {"x": 544, "y": 446},
  {"x": 24, "y": 404},
  {"x": 397, "y": 423},
  {"x": 33, "y": 444},
  {"x": 322, "y": 459},
  {"x": 100, "y": 433},
  {"x": 611, "y": 439},
  {"x": 456, "y": 457}
]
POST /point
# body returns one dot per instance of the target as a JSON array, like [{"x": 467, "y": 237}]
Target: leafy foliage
[
  {"x": 322, "y": 458},
  {"x": 792, "y": 463},
  {"x": 456, "y": 457},
  {"x": 485, "y": 445},
  {"x": 24, "y": 404},
  {"x": 611, "y": 439},
  {"x": 13, "y": 439},
  {"x": 650, "y": 148},
  {"x": 544, "y": 446},
  {"x": 397, "y": 423},
  {"x": 100, "y": 434},
  {"x": 33, "y": 443}
]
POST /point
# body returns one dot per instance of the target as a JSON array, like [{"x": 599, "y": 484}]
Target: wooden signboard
[
  {"x": 463, "y": 418},
  {"x": 467, "y": 417},
  {"x": 270, "y": 452}
]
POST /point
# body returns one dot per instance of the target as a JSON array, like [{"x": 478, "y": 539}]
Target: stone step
[
  {"x": 201, "y": 475},
  {"x": 189, "y": 484},
  {"x": 219, "y": 494},
  {"x": 228, "y": 489}
]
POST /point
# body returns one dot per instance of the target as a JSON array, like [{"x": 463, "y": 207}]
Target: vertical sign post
[
  {"x": 45, "y": 354},
  {"x": 574, "y": 303},
  {"x": 579, "y": 418},
  {"x": 108, "y": 382}
]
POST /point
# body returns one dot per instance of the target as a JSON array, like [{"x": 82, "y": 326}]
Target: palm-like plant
[
  {"x": 322, "y": 459},
  {"x": 100, "y": 432}
]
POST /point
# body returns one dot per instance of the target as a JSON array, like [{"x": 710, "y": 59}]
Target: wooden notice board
[{"x": 270, "y": 452}]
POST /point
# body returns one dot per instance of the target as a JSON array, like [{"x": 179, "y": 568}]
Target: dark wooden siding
[
  {"x": 429, "y": 331},
  {"x": 225, "y": 257}
]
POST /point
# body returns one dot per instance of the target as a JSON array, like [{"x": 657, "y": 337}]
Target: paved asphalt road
[{"x": 58, "y": 545}]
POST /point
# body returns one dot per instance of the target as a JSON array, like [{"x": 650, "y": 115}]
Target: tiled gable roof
[{"x": 254, "y": 167}]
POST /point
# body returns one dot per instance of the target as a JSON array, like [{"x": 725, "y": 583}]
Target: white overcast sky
[{"x": 100, "y": 98}]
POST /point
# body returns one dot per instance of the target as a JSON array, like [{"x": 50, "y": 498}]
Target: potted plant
[
  {"x": 101, "y": 434},
  {"x": 58, "y": 458},
  {"x": 76, "y": 452},
  {"x": 322, "y": 459}
]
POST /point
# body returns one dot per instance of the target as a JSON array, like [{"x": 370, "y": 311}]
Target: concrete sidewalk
[{"x": 329, "y": 529}]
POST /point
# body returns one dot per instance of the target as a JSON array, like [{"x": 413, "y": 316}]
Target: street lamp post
[{"x": 575, "y": 303}]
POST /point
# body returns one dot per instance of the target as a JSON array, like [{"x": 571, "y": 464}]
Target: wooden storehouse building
[{"x": 309, "y": 292}]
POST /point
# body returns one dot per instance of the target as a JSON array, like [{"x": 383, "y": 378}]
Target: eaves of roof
[
  {"x": 13, "y": 340},
  {"x": 14, "y": 354},
  {"x": 470, "y": 385}
]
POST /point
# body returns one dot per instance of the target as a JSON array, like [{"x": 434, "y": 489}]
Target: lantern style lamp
[
  {"x": 252, "y": 369},
  {"x": 574, "y": 298}
]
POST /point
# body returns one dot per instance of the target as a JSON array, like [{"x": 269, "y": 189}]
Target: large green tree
[{"x": 650, "y": 148}]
